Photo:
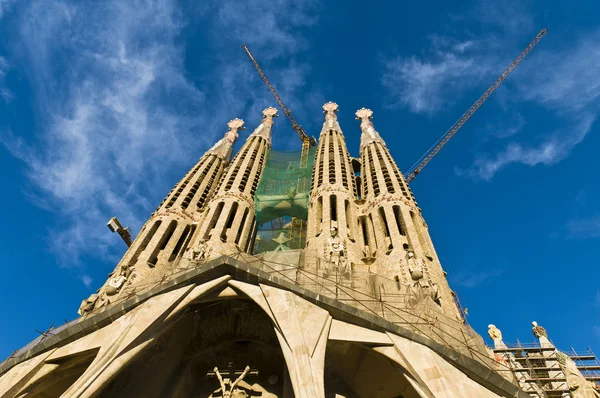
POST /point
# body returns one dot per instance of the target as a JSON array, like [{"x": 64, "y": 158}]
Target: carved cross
[{"x": 330, "y": 109}]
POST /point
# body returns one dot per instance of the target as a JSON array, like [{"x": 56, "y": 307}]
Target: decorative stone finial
[
  {"x": 270, "y": 113},
  {"x": 366, "y": 125},
  {"x": 236, "y": 124},
  {"x": 541, "y": 334},
  {"x": 264, "y": 129},
  {"x": 329, "y": 109},
  {"x": 364, "y": 114},
  {"x": 496, "y": 335}
]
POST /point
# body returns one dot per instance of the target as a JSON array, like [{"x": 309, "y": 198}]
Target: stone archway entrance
[
  {"x": 353, "y": 370},
  {"x": 210, "y": 334}
]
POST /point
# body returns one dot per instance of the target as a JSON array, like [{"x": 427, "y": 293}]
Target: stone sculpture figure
[
  {"x": 334, "y": 250},
  {"x": 421, "y": 287},
  {"x": 114, "y": 284},
  {"x": 496, "y": 335},
  {"x": 415, "y": 267},
  {"x": 579, "y": 387},
  {"x": 200, "y": 251},
  {"x": 229, "y": 389}
]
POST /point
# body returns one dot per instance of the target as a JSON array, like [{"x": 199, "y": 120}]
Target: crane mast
[
  {"x": 307, "y": 141},
  {"x": 414, "y": 171}
]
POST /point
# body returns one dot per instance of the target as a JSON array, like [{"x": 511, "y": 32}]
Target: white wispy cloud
[
  {"x": 584, "y": 228},
  {"x": 561, "y": 81},
  {"x": 86, "y": 280},
  {"x": 564, "y": 83},
  {"x": 424, "y": 85},
  {"x": 4, "y": 6},
  {"x": 470, "y": 279},
  {"x": 5, "y": 93},
  {"x": 119, "y": 110}
]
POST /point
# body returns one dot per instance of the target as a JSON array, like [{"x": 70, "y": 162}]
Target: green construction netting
[{"x": 281, "y": 201}]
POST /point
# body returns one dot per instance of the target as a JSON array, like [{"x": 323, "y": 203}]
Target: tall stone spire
[
  {"x": 223, "y": 147},
  {"x": 230, "y": 222},
  {"x": 333, "y": 188},
  {"x": 369, "y": 134},
  {"x": 380, "y": 174},
  {"x": 401, "y": 244}
]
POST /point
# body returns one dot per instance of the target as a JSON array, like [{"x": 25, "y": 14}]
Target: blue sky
[{"x": 105, "y": 105}]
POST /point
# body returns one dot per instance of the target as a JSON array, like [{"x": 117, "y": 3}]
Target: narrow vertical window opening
[
  {"x": 333, "y": 206},
  {"x": 399, "y": 220},
  {"x": 162, "y": 243},
  {"x": 145, "y": 242},
  {"x": 241, "y": 228},
  {"x": 179, "y": 243},
  {"x": 214, "y": 219}
]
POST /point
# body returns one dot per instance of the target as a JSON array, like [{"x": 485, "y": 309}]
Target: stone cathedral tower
[{"x": 266, "y": 276}]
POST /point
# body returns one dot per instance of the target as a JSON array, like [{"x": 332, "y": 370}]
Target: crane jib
[
  {"x": 301, "y": 133},
  {"x": 412, "y": 173}
]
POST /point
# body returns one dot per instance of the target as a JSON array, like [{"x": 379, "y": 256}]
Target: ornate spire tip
[
  {"x": 270, "y": 113},
  {"x": 364, "y": 113},
  {"x": 330, "y": 107},
  {"x": 236, "y": 124}
]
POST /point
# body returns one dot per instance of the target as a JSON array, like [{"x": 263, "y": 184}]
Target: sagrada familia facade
[{"x": 345, "y": 298}]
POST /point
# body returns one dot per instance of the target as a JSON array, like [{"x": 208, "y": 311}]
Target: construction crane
[
  {"x": 307, "y": 141},
  {"x": 435, "y": 148}
]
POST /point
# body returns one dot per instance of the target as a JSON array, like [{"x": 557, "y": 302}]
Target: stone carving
[
  {"x": 415, "y": 267},
  {"x": 268, "y": 115},
  {"x": 264, "y": 129},
  {"x": 330, "y": 109},
  {"x": 228, "y": 387},
  {"x": 335, "y": 249},
  {"x": 87, "y": 305},
  {"x": 496, "y": 335},
  {"x": 200, "y": 251},
  {"x": 421, "y": 286},
  {"x": 116, "y": 282},
  {"x": 540, "y": 333},
  {"x": 234, "y": 125},
  {"x": 579, "y": 387},
  {"x": 223, "y": 146},
  {"x": 366, "y": 125}
]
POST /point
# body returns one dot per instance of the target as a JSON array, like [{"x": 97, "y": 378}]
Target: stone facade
[{"x": 364, "y": 310}]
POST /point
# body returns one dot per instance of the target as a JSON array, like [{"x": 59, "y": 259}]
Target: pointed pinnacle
[
  {"x": 236, "y": 124},
  {"x": 364, "y": 114},
  {"x": 270, "y": 113}
]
